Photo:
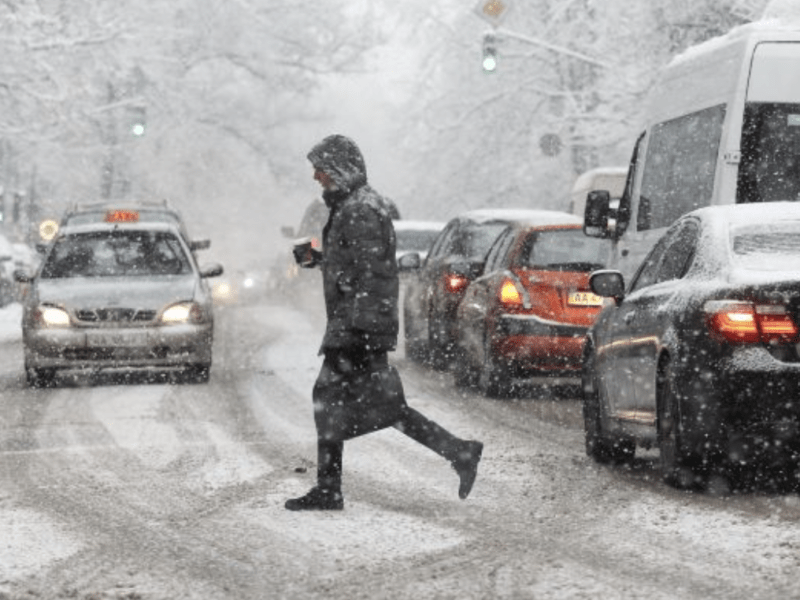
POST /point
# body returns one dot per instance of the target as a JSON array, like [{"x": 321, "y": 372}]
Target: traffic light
[
  {"x": 489, "y": 52},
  {"x": 138, "y": 120}
]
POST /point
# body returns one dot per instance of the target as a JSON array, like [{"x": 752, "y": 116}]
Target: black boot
[
  {"x": 466, "y": 465},
  {"x": 317, "y": 499}
]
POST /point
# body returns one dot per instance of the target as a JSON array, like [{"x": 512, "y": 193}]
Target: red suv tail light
[
  {"x": 739, "y": 322},
  {"x": 509, "y": 294},
  {"x": 454, "y": 283}
]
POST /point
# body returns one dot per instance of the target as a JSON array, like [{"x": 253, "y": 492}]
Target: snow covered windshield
[
  {"x": 768, "y": 247},
  {"x": 566, "y": 249},
  {"x": 115, "y": 254}
]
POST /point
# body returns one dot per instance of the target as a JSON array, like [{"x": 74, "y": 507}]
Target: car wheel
[
  {"x": 415, "y": 348},
  {"x": 198, "y": 373},
  {"x": 600, "y": 446},
  {"x": 40, "y": 378},
  {"x": 675, "y": 464},
  {"x": 465, "y": 375},
  {"x": 493, "y": 377},
  {"x": 438, "y": 349}
]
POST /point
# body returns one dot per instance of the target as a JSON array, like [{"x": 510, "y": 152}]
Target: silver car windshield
[{"x": 116, "y": 254}]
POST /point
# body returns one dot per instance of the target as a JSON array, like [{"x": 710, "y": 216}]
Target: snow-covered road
[{"x": 162, "y": 491}]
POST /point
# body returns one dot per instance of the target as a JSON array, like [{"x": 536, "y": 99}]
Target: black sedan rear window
[{"x": 116, "y": 254}]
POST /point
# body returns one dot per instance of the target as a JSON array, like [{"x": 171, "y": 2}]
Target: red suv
[{"x": 529, "y": 312}]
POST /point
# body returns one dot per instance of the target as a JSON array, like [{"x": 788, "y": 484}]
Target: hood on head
[{"x": 340, "y": 158}]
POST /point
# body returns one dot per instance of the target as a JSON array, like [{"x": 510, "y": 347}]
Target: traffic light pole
[{"x": 505, "y": 33}]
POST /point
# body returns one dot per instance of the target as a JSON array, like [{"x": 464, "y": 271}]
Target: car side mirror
[
  {"x": 409, "y": 262},
  {"x": 287, "y": 231},
  {"x": 214, "y": 270},
  {"x": 608, "y": 284},
  {"x": 597, "y": 213},
  {"x": 204, "y": 244},
  {"x": 22, "y": 276},
  {"x": 41, "y": 247}
]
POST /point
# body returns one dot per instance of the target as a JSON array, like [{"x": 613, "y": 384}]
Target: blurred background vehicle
[
  {"x": 285, "y": 272},
  {"x": 529, "y": 311},
  {"x": 457, "y": 257},
  {"x": 699, "y": 356},
  {"x": 7, "y": 285},
  {"x": 416, "y": 236},
  {"x": 118, "y": 295},
  {"x": 241, "y": 286},
  {"x": 24, "y": 258}
]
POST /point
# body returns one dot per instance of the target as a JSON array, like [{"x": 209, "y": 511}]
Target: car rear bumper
[
  {"x": 744, "y": 408},
  {"x": 532, "y": 343},
  {"x": 175, "y": 345}
]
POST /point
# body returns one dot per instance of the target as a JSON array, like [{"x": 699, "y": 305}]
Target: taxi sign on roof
[
  {"x": 122, "y": 216},
  {"x": 493, "y": 11}
]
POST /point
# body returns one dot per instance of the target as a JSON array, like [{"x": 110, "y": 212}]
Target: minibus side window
[
  {"x": 770, "y": 165},
  {"x": 680, "y": 167}
]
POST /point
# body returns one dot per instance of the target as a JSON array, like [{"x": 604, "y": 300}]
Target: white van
[{"x": 723, "y": 127}]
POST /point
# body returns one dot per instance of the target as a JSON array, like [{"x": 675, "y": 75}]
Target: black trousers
[{"x": 412, "y": 423}]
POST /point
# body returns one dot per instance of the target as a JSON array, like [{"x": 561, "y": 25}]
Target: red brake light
[
  {"x": 746, "y": 323},
  {"x": 454, "y": 283},
  {"x": 509, "y": 294},
  {"x": 315, "y": 243},
  {"x": 122, "y": 216}
]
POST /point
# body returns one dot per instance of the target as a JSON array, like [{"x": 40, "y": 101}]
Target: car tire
[
  {"x": 39, "y": 378},
  {"x": 438, "y": 350},
  {"x": 465, "y": 375},
  {"x": 198, "y": 373},
  {"x": 601, "y": 447},
  {"x": 676, "y": 468},
  {"x": 493, "y": 377},
  {"x": 415, "y": 348}
]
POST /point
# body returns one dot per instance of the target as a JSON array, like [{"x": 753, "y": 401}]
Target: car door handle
[{"x": 629, "y": 317}]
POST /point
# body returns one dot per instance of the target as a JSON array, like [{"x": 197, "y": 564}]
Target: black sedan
[
  {"x": 699, "y": 356},
  {"x": 456, "y": 258}
]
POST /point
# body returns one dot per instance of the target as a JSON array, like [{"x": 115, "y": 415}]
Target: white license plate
[
  {"x": 584, "y": 299},
  {"x": 118, "y": 340}
]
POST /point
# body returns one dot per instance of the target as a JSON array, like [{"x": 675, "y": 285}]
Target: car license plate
[
  {"x": 111, "y": 340},
  {"x": 584, "y": 299}
]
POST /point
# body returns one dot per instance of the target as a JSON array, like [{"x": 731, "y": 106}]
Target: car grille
[{"x": 115, "y": 315}]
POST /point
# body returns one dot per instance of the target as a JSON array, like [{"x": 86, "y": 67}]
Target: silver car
[{"x": 117, "y": 295}]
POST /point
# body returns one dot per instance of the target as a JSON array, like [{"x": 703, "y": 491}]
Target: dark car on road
[
  {"x": 528, "y": 313},
  {"x": 455, "y": 259},
  {"x": 699, "y": 356}
]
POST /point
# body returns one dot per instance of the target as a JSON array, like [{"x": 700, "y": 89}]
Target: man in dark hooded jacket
[{"x": 357, "y": 390}]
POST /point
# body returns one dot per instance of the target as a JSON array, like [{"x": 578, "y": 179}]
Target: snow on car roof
[
  {"x": 138, "y": 226},
  {"x": 744, "y": 214},
  {"x": 757, "y": 28},
  {"x": 485, "y": 215},
  {"x": 406, "y": 224}
]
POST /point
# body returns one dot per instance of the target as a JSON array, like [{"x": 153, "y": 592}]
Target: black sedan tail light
[
  {"x": 455, "y": 282},
  {"x": 738, "y": 322}
]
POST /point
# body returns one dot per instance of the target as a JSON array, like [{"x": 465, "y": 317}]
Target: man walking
[{"x": 357, "y": 390}]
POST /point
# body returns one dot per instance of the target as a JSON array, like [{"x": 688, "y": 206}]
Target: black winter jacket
[{"x": 359, "y": 270}]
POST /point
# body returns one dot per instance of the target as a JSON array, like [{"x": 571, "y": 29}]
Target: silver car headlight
[
  {"x": 184, "y": 312},
  {"x": 50, "y": 317}
]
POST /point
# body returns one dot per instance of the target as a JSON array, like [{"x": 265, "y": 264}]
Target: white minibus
[{"x": 723, "y": 126}]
